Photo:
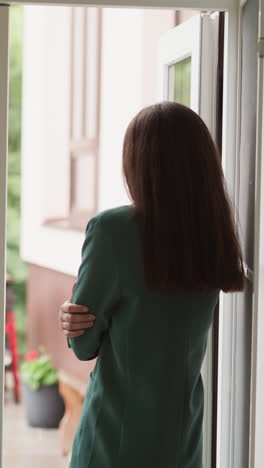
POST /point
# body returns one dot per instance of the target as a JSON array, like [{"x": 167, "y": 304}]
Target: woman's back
[
  {"x": 151, "y": 273},
  {"x": 144, "y": 405}
]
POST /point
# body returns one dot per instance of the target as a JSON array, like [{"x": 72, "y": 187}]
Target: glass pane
[{"x": 180, "y": 82}]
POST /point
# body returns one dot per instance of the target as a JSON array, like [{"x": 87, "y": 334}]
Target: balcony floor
[{"x": 28, "y": 447}]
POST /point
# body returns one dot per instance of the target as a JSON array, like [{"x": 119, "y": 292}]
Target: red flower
[{"x": 31, "y": 355}]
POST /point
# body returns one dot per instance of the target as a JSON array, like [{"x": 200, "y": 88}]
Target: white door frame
[
  {"x": 173, "y": 49},
  {"x": 257, "y": 358},
  {"x": 196, "y": 38},
  {"x": 228, "y": 310}
]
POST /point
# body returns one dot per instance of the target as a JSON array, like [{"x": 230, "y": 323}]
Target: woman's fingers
[
  {"x": 71, "y": 334},
  {"x": 76, "y": 326},
  {"x": 74, "y": 319},
  {"x": 77, "y": 318},
  {"x": 73, "y": 308}
]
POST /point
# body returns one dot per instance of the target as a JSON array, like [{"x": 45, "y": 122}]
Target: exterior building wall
[
  {"x": 47, "y": 290},
  {"x": 128, "y": 83}
]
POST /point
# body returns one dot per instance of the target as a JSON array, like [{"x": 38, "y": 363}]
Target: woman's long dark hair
[{"x": 174, "y": 175}]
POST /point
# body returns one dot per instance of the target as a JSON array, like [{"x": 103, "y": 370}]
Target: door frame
[
  {"x": 226, "y": 427},
  {"x": 198, "y": 39},
  {"x": 221, "y": 5}
]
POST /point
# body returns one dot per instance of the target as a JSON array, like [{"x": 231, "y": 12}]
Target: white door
[{"x": 188, "y": 74}]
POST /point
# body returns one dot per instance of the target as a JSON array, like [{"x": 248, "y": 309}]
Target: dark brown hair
[{"x": 174, "y": 176}]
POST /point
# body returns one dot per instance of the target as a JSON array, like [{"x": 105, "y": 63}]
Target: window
[
  {"x": 179, "y": 85},
  {"x": 84, "y": 103},
  {"x": 84, "y": 113}
]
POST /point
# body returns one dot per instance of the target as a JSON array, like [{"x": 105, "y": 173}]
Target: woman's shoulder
[{"x": 113, "y": 218}]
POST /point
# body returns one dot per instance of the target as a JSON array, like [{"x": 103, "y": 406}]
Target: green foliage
[
  {"x": 15, "y": 78},
  {"x": 38, "y": 372},
  {"x": 15, "y": 266}
]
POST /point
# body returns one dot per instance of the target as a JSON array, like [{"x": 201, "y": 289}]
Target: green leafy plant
[{"x": 37, "y": 369}]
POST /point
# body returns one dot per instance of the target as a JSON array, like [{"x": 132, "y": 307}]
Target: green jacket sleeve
[{"x": 97, "y": 287}]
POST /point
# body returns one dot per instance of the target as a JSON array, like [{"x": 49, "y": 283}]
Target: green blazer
[{"x": 144, "y": 402}]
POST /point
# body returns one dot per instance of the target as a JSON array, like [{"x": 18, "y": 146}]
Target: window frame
[
  {"x": 87, "y": 144},
  {"x": 190, "y": 49}
]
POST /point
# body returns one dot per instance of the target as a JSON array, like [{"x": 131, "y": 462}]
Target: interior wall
[{"x": 184, "y": 15}]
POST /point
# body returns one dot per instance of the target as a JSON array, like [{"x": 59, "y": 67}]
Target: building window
[
  {"x": 84, "y": 113},
  {"x": 179, "y": 86},
  {"x": 83, "y": 126}
]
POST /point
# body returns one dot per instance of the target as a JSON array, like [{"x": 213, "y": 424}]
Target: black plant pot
[{"x": 44, "y": 406}]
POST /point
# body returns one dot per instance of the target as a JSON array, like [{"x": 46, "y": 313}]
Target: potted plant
[{"x": 40, "y": 390}]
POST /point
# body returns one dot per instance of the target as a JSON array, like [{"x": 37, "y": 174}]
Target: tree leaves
[{"x": 15, "y": 266}]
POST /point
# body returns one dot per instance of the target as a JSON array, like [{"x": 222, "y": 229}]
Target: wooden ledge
[
  {"x": 73, "y": 392},
  {"x": 73, "y": 382}
]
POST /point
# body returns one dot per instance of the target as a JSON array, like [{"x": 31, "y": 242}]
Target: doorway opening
[{"x": 86, "y": 72}]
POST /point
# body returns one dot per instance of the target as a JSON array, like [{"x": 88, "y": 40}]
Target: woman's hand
[{"x": 74, "y": 319}]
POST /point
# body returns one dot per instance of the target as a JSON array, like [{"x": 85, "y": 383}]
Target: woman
[{"x": 151, "y": 274}]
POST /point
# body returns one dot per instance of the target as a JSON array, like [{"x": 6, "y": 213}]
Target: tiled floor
[{"x": 28, "y": 447}]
